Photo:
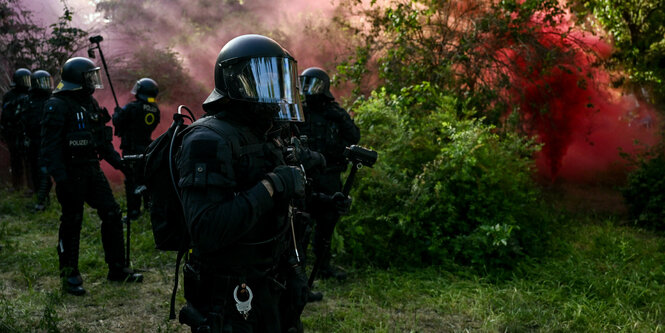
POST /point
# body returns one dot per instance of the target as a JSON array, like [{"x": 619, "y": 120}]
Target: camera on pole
[{"x": 95, "y": 40}]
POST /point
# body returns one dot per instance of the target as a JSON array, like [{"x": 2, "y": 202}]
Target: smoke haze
[{"x": 582, "y": 128}]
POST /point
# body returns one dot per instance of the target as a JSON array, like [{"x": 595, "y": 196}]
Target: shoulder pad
[{"x": 205, "y": 159}]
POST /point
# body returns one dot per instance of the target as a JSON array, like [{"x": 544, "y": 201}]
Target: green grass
[{"x": 600, "y": 276}]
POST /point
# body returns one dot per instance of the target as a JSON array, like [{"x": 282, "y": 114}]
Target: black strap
[{"x": 178, "y": 260}]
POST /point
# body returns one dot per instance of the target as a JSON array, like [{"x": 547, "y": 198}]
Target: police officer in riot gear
[
  {"x": 40, "y": 92},
  {"x": 134, "y": 124},
  {"x": 236, "y": 191},
  {"x": 329, "y": 129},
  {"x": 14, "y": 103},
  {"x": 74, "y": 139}
]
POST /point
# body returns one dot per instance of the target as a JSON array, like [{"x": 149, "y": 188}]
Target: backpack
[{"x": 166, "y": 214}]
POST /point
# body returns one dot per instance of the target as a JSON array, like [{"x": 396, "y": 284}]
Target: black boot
[
  {"x": 68, "y": 256},
  {"x": 329, "y": 271},
  {"x": 123, "y": 274},
  {"x": 73, "y": 285}
]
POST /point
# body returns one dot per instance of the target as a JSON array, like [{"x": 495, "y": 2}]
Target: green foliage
[
  {"x": 25, "y": 43},
  {"x": 50, "y": 319},
  {"x": 598, "y": 277},
  {"x": 446, "y": 187},
  {"x": 476, "y": 50},
  {"x": 645, "y": 190},
  {"x": 638, "y": 34}
]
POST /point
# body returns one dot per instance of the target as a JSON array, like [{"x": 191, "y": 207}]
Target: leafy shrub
[
  {"x": 446, "y": 188},
  {"x": 645, "y": 191}
]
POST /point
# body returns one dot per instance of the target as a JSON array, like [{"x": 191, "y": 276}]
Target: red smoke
[{"x": 581, "y": 121}]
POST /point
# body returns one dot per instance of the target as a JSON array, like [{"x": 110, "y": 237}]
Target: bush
[
  {"x": 446, "y": 187},
  {"x": 645, "y": 191}
]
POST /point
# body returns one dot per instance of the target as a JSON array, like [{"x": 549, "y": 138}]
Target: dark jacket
[
  {"x": 226, "y": 206},
  {"x": 14, "y": 103},
  {"x": 32, "y": 117},
  {"x": 134, "y": 124},
  {"x": 74, "y": 132},
  {"x": 329, "y": 129}
]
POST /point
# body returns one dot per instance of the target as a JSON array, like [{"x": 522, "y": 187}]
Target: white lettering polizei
[{"x": 78, "y": 143}]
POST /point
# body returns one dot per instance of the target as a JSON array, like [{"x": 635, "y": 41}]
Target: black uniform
[
  {"x": 240, "y": 235},
  {"x": 134, "y": 125},
  {"x": 74, "y": 139},
  {"x": 12, "y": 130},
  {"x": 236, "y": 194},
  {"x": 32, "y": 119},
  {"x": 329, "y": 129}
]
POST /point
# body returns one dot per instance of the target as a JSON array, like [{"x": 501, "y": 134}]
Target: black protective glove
[
  {"x": 106, "y": 117},
  {"x": 308, "y": 158},
  {"x": 342, "y": 203},
  {"x": 313, "y": 160},
  {"x": 287, "y": 181}
]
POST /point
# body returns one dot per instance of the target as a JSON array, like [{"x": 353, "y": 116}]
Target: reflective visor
[
  {"x": 270, "y": 80},
  {"x": 310, "y": 85},
  {"x": 23, "y": 81},
  {"x": 136, "y": 88},
  {"x": 94, "y": 77},
  {"x": 44, "y": 83}
]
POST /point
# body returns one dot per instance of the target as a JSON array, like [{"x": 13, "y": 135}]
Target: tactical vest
[
  {"x": 12, "y": 111},
  {"x": 252, "y": 159},
  {"x": 323, "y": 136},
  {"x": 137, "y": 127},
  {"x": 85, "y": 130},
  {"x": 32, "y": 117}
]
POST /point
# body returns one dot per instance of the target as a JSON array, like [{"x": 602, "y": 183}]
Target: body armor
[{"x": 134, "y": 124}]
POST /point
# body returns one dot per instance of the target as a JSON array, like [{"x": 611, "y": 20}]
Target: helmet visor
[
  {"x": 310, "y": 85},
  {"x": 94, "y": 78},
  {"x": 270, "y": 80},
  {"x": 44, "y": 83},
  {"x": 23, "y": 81},
  {"x": 135, "y": 90}
]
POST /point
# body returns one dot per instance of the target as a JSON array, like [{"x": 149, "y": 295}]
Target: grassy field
[{"x": 602, "y": 275}]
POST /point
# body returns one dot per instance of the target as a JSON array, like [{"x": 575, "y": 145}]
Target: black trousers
[
  {"x": 88, "y": 184},
  {"x": 17, "y": 164},
  {"x": 212, "y": 295},
  {"x": 325, "y": 216},
  {"x": 133, "y": 179},
  {"x": 32, "y": 164}
]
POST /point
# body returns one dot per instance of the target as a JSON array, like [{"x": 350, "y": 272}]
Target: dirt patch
[{"x": 596, "y": 198}]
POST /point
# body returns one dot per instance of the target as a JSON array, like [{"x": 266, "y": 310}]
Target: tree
[
  {"x": 636, "y": 29},
  {"x": 478, "y": 50},
  {"x": 512, "y": 61},
  {"x": 26, "y": 44}
]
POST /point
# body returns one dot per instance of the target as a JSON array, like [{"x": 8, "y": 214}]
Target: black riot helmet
[
  {"x": 21, "y": 78},
  {"x": 256, "y": 69},
  {"x": 146, "y": 89},
  {"x": 79, "y": 73},
  {"x": 41, "y": 80},
  {"x": 315, "y": 81}
]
